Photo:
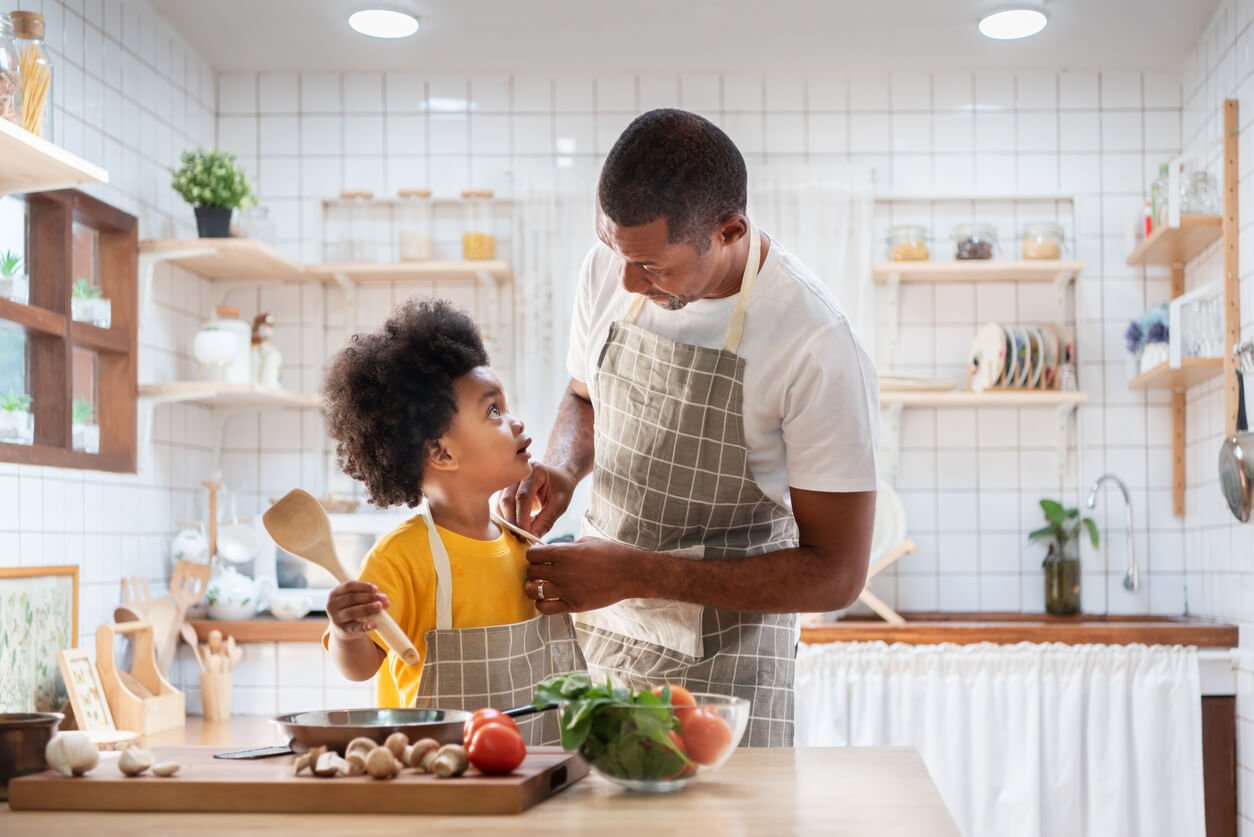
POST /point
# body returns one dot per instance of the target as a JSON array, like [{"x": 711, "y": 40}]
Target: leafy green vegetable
[{"x": 623, "y": 733}]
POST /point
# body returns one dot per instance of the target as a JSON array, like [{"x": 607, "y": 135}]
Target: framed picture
[
  {"x": 38, "y": 618},
  {"x": 82, "y": 681}
]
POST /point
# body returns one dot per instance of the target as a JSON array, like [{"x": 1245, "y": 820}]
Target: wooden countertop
[
  {"x": 856, "y": 791},
  {"x": 920, "y": 629}
]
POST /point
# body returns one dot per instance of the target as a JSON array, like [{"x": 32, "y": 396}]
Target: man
[{"x": 728, "y": 416}]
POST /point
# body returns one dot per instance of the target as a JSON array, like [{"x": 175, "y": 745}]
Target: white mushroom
[
  {"x": 71, "y": 753},
  {"x": 166, "y": 768},
  {"x": 135, "y": 761}
]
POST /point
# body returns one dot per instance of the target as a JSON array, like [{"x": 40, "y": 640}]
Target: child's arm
[{"x": 352, "y": 607}]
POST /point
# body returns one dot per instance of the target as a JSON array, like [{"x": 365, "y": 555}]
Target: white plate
[
  {"x": 988, "y": 357},
  {"x": 1050, "y": 340},
  {"x": 1036, "y": 345},
  {"x": 1022, "y": 355}
]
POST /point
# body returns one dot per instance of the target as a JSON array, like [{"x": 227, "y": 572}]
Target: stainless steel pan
[
  {"x": 1236, "y": 470},
  {"x": 334, "y": 728}
]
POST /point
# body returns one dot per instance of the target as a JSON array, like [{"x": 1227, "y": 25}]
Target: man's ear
[
  {"x": 439, "y": 456},
  {"x": 733, "y": 229}
]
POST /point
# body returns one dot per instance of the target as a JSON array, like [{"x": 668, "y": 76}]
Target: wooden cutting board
[{"x": 268, "y": 786}]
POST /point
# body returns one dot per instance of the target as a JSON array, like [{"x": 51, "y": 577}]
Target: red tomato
[
  {"x": 688, "y": 769},
  {"x": 483, "y": 717},
  {"x": 497, "y": 748},
  {"x": 681, "y": 698},
  {"x": 706, "y": 735}
]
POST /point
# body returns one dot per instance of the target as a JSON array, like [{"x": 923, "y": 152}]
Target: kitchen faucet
[{"x": 1130, "y": 577}]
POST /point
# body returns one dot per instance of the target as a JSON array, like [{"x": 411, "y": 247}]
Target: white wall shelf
[
  {"x": 975, "y": 270},
  {"x": 31, "y": 164},
  {"x": 212, "y": 394},
  {"x": 431, "y": 271}
]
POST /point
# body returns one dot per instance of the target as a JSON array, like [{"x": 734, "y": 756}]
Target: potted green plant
[
  {"x": 14, "y": 283},
  {"x": 86, "y": 433},
  {"x": 214, "y": 184},
  {"x": 1062, "y": 564},
  {"x": 88, "y": 306},
  {"x": 16, "y": 426}
]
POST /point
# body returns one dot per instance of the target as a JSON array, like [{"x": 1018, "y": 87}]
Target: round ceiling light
[
  {"x": 383, "y": 23},
  {"x": 1012, "y": 24}
]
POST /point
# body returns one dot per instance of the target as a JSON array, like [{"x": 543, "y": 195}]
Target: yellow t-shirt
[{"x": 488, "y": 579}]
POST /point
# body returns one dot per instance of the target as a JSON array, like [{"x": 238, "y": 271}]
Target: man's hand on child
[{"x": 352, "y": 608}]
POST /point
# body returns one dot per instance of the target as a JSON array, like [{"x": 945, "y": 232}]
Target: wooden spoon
[
  {"x": 299, "y": 524},
  {"x": 189, "y": 636}
]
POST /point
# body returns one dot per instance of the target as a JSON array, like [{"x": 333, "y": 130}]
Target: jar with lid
[
  {"x": 907, "y": 243},
  {"x": 479, "y": 238},
  {"x": 974, "y": 241},
  {"x": 223, "y": 348},
  {"x": 1199, "y": 194},
  {"x": 255, "y": 222},
  {"x": 1042, "y": 240},
  {"x": 36, "y": 73},
  {"x": 347, "y": 221},
  {"x": 413, "y": 225},
  {"x": 10, "y": 76}
]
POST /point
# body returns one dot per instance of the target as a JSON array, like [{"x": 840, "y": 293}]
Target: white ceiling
[{"x": 599, "y": 35}]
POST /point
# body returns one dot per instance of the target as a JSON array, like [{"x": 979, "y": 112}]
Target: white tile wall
[{"x": 1219, "y": 552}]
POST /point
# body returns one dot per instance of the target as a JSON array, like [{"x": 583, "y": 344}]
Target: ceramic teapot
[{"x": 231, "y": 595}]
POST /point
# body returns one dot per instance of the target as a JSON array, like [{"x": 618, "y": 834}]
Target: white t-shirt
[{"x": 811, "y": 395}]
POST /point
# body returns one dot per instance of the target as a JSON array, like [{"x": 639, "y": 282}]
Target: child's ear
[{"x": 439, "y": 456}]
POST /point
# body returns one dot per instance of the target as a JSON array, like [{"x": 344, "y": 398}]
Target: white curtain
[
  {"x": 823, "y": 214},
  {"x": 1024, "y": 740}
]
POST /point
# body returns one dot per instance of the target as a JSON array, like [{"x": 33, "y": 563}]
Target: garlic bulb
[
  {"x": 135, "y": 761},
  {"x": 71, "y": 753}
]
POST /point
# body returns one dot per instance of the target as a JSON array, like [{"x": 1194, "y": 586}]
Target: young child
[{"x": 417, "y": 414}]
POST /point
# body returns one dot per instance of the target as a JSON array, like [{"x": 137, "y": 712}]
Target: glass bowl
[{"x": 707, "y": 733}]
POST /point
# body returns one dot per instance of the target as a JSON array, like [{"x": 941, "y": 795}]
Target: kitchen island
[{"x": 871, "y": 791}]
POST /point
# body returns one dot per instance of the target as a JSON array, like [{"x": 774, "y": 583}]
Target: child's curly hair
[{"x": 390, "y": 393}]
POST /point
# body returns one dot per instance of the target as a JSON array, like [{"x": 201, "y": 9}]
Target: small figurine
[{"x": 267, "y": 360}]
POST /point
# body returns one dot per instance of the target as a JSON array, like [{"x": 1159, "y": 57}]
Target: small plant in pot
[
  {"x": 1062, "y": 564},
  {"x": 14, "y": 284},
  {"x": 86, "y": 433},
  {"x": 16, "y": 427},
  {"x": 214, "y": 184},
  {"x": 88, "y": 306}
]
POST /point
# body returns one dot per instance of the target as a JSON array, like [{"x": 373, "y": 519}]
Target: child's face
[{"x": 488, "y": 443}]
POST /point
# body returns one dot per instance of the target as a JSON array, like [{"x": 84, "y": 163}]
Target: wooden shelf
[
  {"x": 225, "y": 395},
  {"x": 366, "y": 272},
  {"x": 264, "y": 629},
  {"x": 1194, "y": 370},
  {"x": 975, "y": 270},
  {"x": 989, "y": 398},
  {"x": 32, "y": 164},
  {"x": 225, "y": 259},
  {"x": 1176, "y": 245}
]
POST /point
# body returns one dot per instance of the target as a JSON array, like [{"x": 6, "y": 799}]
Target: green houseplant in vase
[
  {"x": 16, "y": 425},
  {"x": 214, "y": 184},
  {"x": 88, "y": 306},
  {"x": 1062, "y": 564},
  {"x": 14, "y": 283},
  {"x": 86, "y": 433}
]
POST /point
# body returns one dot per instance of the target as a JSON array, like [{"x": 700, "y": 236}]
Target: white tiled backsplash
[{"x": 969, "y": 479}]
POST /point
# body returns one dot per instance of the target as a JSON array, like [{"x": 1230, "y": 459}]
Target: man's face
[{"x": 670, "y": 274}]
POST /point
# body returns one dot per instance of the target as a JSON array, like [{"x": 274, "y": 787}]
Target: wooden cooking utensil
[
  {"x": 189, "y": 636},
  {"x": 187, "y": 584},
  {"x": 299, "y": 524}
]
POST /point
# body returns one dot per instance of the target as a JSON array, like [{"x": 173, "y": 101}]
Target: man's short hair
[{"x": 675, "y": 165}]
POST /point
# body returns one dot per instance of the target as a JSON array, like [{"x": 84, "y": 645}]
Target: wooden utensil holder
[
  {"x": 163, "y": 707},
  {"x": 215, "y": 695}
]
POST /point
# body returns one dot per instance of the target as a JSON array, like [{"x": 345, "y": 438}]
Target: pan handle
[
  {"x": 529, "y": 709},
  {"x": 1242, "y": 425}
]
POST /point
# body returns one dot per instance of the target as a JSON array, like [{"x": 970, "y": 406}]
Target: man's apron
[
  {"x": 672, "y": 475},
  {"x": 498, "y": 665}
]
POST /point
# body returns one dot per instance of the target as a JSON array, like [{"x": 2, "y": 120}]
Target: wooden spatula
[{"x": 299, "y": 524}]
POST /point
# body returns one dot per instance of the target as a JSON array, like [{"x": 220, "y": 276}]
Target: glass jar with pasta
[
  {"x": 1042, "y": 241},
  {"x": 478, "y": 238},
  {"x": 36, "y": 72},
  {"x": 10, "y": 78},
  {"x": 907, "y": 243}
]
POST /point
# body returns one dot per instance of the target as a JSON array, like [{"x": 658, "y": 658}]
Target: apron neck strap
[
  {"x": 443, "y": 572},
  {"x": 736, "y": 328}
]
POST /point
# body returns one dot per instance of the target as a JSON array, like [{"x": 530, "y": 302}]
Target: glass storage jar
[
  {"x": 413, "y": 225},
  {"x": 1042, "y": 240},
  {"x": 907, "y": 243},
  {"x": 478, "y": 238},
  {"x": 1199, "y": 194},
  {"x": 10, "y": 76},
  {"x": 36, "y": 72},
  {"x": 974, "y": 241},
  {"x": 357, "y": 222}
]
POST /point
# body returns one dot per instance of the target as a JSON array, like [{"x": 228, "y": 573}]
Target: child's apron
[{"x": 498, "y": 665}]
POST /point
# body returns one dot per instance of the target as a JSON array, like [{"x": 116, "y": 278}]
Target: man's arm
[
  {"x": 567, "y": 461},
  {"x": 826, "y": 571}
]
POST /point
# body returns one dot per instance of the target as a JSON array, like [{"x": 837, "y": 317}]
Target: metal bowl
[
  {"x": 23, "y": 737},
  {"x": 334, "y": 728}
]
